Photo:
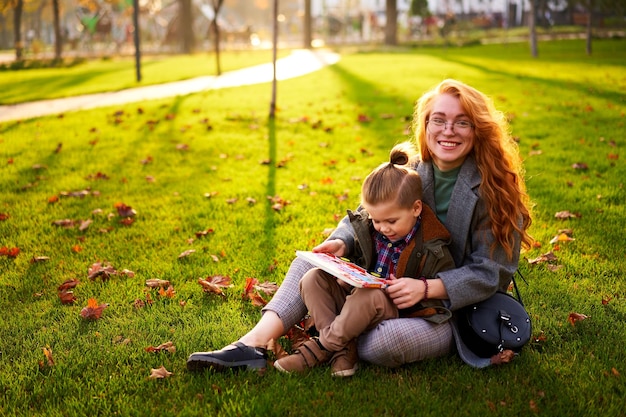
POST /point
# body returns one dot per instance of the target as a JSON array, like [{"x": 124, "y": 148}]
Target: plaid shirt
[{"x": 389, "y": 252}]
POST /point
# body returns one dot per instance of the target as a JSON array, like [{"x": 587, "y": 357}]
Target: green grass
[
  {"x": 565, "y": 108},
  {"x": 112, "y": 74}
]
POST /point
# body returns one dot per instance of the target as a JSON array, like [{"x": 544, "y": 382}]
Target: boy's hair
[{"x": 395, "y": 180}]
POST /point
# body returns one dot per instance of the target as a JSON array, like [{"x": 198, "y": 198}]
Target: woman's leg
[{"x": 400, "y": 341}]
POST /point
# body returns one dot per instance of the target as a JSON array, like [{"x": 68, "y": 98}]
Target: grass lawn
[
  {"x": 207, "y": 172},
  {"x": 112, "y": 74}
]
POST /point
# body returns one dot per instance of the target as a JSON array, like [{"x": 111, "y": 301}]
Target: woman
[{"x": 472, "y": 179}]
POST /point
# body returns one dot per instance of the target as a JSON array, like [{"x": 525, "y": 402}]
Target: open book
[{"x": 343, "y": 269}]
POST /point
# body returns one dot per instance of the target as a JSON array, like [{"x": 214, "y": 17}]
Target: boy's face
[{"x": 393, "y": 221}]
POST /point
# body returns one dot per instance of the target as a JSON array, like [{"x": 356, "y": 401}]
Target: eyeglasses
[{"x": 460, "y": 126}]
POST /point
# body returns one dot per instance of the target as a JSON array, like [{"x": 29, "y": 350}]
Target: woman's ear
[{"x": 417, "y": 208}]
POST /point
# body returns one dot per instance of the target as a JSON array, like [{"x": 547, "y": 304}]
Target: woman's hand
[
  {"x": 405, "y": 292},
  {"x": 335, "y": 246}
]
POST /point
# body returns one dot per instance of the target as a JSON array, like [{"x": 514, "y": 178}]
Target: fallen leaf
[
  {"x": 186, "y": 253},
  {"x": 159, "y": 373},
  {"x": 47, "y": 353},
  {"x": 215, "y": 284},
  {"x": 167, "y": 346},
  {"x": 506, "y": 356},
  {"x": 67, "y": 297},
  {"x": 576, "y": 317},
  {"x": 546, "y": 257},
  {"x": 67, "y": 284},
  {"x": 168, "y": 292},
  {"x": 124, "y": 211},
  {"x": 256, "y": 299},
  {"x": 36, "y": 259},
  {"x": 561, "y": 237},
  {"x": 9, "y": 252},
  {"x": 93, "y": 310},
  {"x": 267, "y": 287},
  {"x": 155, "y": 282},
  {"x": 566, "y": 215},
  {"x": 97, "y": 269}
]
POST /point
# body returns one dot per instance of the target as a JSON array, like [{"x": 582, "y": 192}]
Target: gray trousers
[{"x": 391, "y": 343}]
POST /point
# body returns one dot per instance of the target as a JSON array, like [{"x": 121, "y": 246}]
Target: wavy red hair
[{"x": 497, "y": 157}]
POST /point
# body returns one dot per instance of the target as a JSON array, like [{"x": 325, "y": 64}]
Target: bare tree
[
  {"x": 215, "y": 28},
  {"x": 58, "y": 36}
]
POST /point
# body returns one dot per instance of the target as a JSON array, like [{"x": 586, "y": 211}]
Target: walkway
[{"x": 298, "y": 63}]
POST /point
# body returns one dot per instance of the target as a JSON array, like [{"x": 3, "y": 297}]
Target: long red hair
[{"x": 497, "y": 157}]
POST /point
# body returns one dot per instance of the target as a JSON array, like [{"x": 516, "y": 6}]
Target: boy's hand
[
  {"x": 404, "y": 292},
  {"x": 336, "y": 246}
]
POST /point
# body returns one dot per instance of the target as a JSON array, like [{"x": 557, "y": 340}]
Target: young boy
[{"x": 396, "y": 236}]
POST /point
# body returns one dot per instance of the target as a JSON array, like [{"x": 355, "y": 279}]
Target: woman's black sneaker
[{"x": 236, "y": 356}]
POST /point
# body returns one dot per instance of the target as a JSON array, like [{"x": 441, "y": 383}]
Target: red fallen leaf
[
  {"x": 256, "y": 299},
  {"x": 167, "y": 293},
  {"x": 77, "y": 248},
  {"x": 47, "y": 353},
  {"x": 67, "y": 284},
  {"x": 10, "y": 252},
  {"x": 575, "y": 317},
  {"x": 613, "y": 156},
  {"x": 98, "y": 269},
  {"x": 4, "y": 216},
  {"x": 67, "y": 297},
  {"x": 215, "y": 284},
  {"x": 53, "y": 199},
  {"x": 127, "y": 221},
  {"x": 364, "y": 118},
  {"x": 167, "y": 346},
  {"x": 506, "y": 356},
  {"x": 614, "y": 371},
  {"x": 159, "y": 373},
  {"x": 186, "y": 253},
  {"x": 327, "y": 181},
  {"x": 93, "y": 310},
  {"x": 127, "y": 272},
  {"x": 155, "y": 282},
  {"x": 250, "y": 283},
  {"x": 124, "y": 211}
]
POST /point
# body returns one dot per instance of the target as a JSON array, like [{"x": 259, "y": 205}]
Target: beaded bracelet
[{"x": 425, "y": 281}]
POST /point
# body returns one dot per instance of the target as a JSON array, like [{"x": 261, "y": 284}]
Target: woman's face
[{"x": 449, "y": 143}]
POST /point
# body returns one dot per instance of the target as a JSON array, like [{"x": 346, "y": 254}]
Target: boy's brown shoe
[
  {"x": 345, "y": 362},
  {"x": 309, "y": 355}
]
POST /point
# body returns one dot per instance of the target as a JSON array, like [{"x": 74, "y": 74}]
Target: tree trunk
[
  {"x": 186, "y": 26},
  {"x": 58, "y": 36},
  {"x": 532, "y": 29},
  {"x": 217, "y": 5},
  {"x": 391, "y": 26},
  {"x": 216, "y": 44},
  {"x": 308, "y": 36},
  {"x": 17, "y": 29},
  {"x": 589, "y": 19}
]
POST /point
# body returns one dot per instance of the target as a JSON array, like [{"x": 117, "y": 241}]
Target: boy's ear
[{"x": 417, "y": 208}]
